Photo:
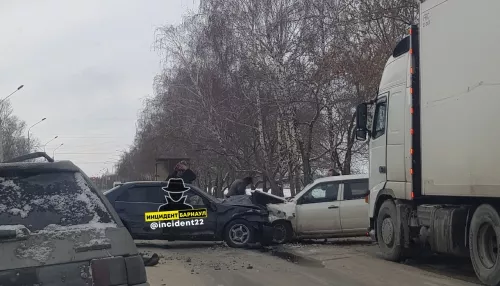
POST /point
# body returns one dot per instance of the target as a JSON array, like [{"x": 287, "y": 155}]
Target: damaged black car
[{"x": 167, "y": 211}]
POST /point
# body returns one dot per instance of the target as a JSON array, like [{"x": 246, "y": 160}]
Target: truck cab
[{"x": 388, "y": 134}]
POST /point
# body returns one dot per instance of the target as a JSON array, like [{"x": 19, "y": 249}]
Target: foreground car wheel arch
[{"x": 239, "y": 233}]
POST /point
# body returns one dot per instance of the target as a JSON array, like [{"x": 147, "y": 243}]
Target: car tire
[
  {"x": 239, "y": 233},
  {"x": 283, "y": 232},
  {"x": 386, "y": 232},
  {"x": 483, "y": 244}
]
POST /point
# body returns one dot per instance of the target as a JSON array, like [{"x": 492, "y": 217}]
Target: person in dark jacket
[
  {"x": 183, "y": 171},
  {"x": 239, "y": 186}
]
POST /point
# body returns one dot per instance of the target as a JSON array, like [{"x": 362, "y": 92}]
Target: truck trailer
[{"x": 434, "y": 168}]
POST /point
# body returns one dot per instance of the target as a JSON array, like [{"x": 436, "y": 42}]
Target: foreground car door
[
  {"x": 353, "y": 208},
  {"x": 318, "y": 210},
  {"x": 131, "y": 206}
]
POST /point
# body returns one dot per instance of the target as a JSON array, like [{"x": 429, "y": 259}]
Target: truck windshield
[{"x": 39, "y": 200}]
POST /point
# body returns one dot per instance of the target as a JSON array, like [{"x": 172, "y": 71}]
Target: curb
[{"x": 294, "y": 257}]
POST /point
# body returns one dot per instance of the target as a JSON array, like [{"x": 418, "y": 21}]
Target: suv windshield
[{"x": 39, "y": 200}]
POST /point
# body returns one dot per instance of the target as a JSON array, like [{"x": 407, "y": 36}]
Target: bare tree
[
  {"x": 13, "y": 140},
  {"x": 266, "y": 88}
]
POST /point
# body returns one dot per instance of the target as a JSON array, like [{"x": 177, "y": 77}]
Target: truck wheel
[
  {"x": 484, "y": 241},
  {"x": 386, "y": 231},
  {"x": 238, "y": 233},
  {"x": 283, "y": 232}
]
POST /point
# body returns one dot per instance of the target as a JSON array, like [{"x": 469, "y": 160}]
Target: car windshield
[
  {"x": 39, "y": 200},
  {"x": 111, "y": 190},
  {"x": 209, "y": 196}
]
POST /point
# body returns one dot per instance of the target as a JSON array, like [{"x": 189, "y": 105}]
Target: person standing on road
[
  {"x": 183, "y": 171},
  {"x": 239, "y": 186}
]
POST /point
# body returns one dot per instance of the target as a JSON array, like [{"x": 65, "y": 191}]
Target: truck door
[{"x": 378, "y": 142}]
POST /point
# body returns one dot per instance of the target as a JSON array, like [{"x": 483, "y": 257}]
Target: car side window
[
  {"x": 379, "y": 119},
  {"x": 194, "y": 199},
  {"x": 143, "y": 195},
  {"x": 355, "y": 190},
  {"x": 321, "y": 193}
]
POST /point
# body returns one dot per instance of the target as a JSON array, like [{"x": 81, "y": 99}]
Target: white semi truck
[{"x": 434, "y": 168}]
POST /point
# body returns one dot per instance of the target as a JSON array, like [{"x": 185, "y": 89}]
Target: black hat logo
[{"x": 175, "y": 196}]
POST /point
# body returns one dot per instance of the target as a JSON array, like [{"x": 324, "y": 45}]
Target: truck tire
[
  {"x": 484, "y": 237},
  {"x": 386, "y": 232}
]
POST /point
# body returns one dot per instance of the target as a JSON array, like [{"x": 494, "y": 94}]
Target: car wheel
[
  {"x": 283, "y": 232},
  {"x": 386, "y": 232},
  {"x": 238, "y": 233},
  {"x": 484, "y": 238}
]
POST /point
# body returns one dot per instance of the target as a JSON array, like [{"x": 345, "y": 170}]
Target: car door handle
[
  {"x": 333, "y": 207},
  {"x": 382, "y": 169}
]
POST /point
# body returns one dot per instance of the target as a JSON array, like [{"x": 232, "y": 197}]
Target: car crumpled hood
[
  {"x": 257, "y": 199},
  {"x": 240, "y": 201}
]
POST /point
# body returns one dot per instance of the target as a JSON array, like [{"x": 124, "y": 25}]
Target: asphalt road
[{"x": 343, "y": 264}]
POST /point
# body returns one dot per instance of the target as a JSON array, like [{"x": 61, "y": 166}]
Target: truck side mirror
[{"x": 361, "y": 121}]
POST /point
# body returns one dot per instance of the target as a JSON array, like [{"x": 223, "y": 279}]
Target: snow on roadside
[{"x": 286, "y": 192}]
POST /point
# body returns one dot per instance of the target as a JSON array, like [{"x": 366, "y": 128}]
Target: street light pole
[
  {"x": 21, "y": 86},
  {"x": 54, "y": 153},
  {"x": 43, "y": 119},
  {"x": 48, "y": 143},
  {"x": 1, "y": 125}
]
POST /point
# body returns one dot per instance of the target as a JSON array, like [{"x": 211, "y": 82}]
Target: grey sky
[{"x": 86, "y": 66}]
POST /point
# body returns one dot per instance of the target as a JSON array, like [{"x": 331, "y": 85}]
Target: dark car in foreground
[
  {"x": 238, "y": 222},
  {"x": 56, "y": 229}
]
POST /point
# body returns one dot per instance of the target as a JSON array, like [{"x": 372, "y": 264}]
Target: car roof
[
  {"x": 144, "y": 183},
  {"x": 59, "y": 166},
  {"x": 342, "y": 178},
  {"x": 148, "y": 183}
]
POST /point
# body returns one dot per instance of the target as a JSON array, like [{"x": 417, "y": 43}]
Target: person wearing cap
[{"x": 183, "y": 171}]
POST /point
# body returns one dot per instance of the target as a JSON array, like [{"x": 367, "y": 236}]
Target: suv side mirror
[{"x": 361, "y": 121}]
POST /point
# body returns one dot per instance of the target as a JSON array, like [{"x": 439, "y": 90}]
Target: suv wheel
[{"x": 283, "y": 232}]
